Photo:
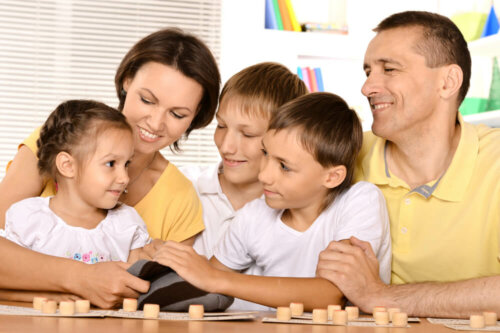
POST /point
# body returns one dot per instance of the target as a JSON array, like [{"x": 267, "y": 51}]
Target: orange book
[
  {"x": 312, "y": 79},
  {"x": 285, "y": 17}
]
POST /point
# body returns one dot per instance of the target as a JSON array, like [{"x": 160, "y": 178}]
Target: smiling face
[
  {"x": 291, "y": 177},
  {"x": 402, "y": 90},
  {"x": 238, "y": 138},
  {"x": 161, "y": 102},
  {"x": 103, "y": 175}
]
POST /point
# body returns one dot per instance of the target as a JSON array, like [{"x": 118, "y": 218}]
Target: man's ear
[
  {"x": 452, "y": 78},
  {"x": 335, "y": 176},
  {"x": 66, "y": 164}
]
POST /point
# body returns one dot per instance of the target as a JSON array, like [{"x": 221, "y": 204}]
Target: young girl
[
  {"x": 86, "y": 147},
  {"x": 167, "y": 86},
  {"x": 307, "y": 169}
]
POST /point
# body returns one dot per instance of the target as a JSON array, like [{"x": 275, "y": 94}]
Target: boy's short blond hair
[{"x": 260, "y": 89}]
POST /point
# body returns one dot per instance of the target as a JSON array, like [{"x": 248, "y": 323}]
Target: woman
[{"x": 168, "y": 85}]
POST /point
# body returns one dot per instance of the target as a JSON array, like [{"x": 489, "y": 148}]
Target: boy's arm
[{"x": 269, "y": 291}]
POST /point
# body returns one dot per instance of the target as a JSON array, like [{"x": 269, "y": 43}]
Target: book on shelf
[
  {"x": 281, "y": 16},
  {"x": 312, "y": 78},
  {"x": 270, "y": 16}
]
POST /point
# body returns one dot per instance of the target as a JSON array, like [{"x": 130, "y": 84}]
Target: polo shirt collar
[
  {"x": 451, "y": 186},
  {"x": 456, "y": 180},
  {"x": 208, "y": 182}
]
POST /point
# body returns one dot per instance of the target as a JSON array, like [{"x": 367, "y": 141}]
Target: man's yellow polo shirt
[{"x": 448, "y": 229}]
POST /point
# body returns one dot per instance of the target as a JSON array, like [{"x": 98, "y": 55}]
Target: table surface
[{"x": 21, "y": 324}]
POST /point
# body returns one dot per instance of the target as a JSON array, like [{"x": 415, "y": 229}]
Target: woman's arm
[
  {"x": 269, "y": 291},
  {"x": 27, "y": 296},
  {"x": 104, "y": 284},
  {"x": 20, "y": 182}
]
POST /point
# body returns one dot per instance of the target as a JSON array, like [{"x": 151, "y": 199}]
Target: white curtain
[{"x": 54, "y": 50}]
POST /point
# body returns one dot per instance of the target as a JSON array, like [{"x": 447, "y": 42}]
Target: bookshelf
[{"x": 485, "y": 47}]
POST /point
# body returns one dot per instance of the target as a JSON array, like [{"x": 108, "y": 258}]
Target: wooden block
[
  {"x": 82, "y": 306},
  {"x": 320, "y": 316},
  {"x": 391, "y": 311},
  {"x": 297, "y": 309},
  {"x": 37, "y": 302},
  {"x": 331, "y": 309},
  {"x": 379, "y": 308},
  {"x": 490, "y": 318},
  {"x": 196, "y": 311},
  {"x": 381, "y": 317},
  {"x": 283, "y": 313},
  {"x": 67, "y": 308},
  {"x": 477, "y": 321},
  {"x": 339, "y": 317},
  {"x": 151, "y": 310},
  {"x": 399, "y": 319},
  {"x": 352, "y": 312},
  {"x": 49, "y": 306},
  {"x": 130, "y": 304}
]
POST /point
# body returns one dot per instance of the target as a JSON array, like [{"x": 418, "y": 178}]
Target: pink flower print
[
  {"x": 86, "y": 257},
  {"x": 102, "y": 258}
]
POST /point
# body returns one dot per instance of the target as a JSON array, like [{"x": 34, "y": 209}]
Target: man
[{"x": 440, "y": 177}]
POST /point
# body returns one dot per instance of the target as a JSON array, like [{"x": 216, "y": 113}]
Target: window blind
[{"x": 54, "y": 50}]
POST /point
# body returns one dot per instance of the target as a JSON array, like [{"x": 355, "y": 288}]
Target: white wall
[{"x": 244, "y": 40}]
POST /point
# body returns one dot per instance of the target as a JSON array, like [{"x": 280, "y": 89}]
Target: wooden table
[{"x": 21, "y": 324}]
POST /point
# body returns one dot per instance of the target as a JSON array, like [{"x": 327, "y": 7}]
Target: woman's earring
[{"x": 123, "y": 93}]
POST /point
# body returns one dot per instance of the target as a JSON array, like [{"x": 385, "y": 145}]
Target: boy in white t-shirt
[{"x": 310, "y": 149}]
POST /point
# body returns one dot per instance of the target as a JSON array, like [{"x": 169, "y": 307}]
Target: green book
[{"x": 279, "y": 21}]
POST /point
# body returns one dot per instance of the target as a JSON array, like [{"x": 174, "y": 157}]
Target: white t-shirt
[
  {"x": 217, "y": 209},
  {"x": 258, "y": 236},
  {"x": 217, "y": 216},
  {"x": 32, "y": 224}
]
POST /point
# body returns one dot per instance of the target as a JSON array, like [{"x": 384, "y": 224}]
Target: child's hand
[{"x": 192, "y": 267}]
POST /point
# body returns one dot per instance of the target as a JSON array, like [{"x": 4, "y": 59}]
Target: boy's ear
[
  {"x": 66, "y": 164},
  {"x": 335, "y": 176}
]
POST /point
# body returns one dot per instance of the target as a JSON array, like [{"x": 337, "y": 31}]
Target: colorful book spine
[
  {"x": 285, "y": 16},
  {"x": 293, "y": 18},
  {"x": 270, "y": 16},
  {"x": 312, "y": 79},
  {"x": 319, "y": 79},
  {"x": 279, "y": 22},
  {"x": 305, "y": 78},
  {"x": 299, "y": 73}
]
